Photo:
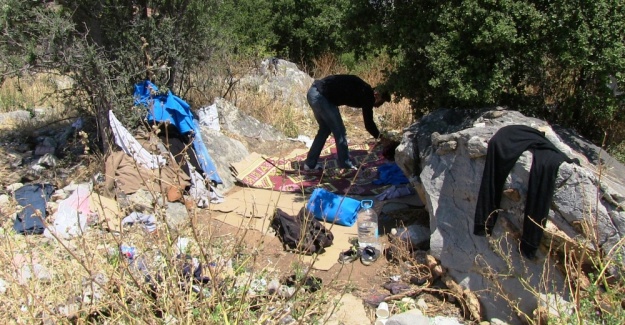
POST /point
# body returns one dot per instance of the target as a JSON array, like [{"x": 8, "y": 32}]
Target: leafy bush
[{"x": 551, "y": 60}]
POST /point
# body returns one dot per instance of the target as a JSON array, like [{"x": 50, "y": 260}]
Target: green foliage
[
  {"x": 106, "y": 46},
  {"x": 247, "y": 24},
  {"x": 601, "y": 306},
  {"x": 307, "y": 29},
  {"x": 549, "y": 59}
]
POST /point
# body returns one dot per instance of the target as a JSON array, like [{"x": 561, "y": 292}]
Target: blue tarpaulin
[{"x": 169, "y": 107}]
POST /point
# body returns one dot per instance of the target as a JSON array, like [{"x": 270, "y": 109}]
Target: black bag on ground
[{"x": 302, "y": 233}]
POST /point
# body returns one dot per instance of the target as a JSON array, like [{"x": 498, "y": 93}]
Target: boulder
[
  {"x": 224, "y": 151},
  {"x": 234, "y": 121},
  {"x": 15, "y": 118},
  {"x": 282, "y": 81},
  {"x": 443, "y": 154}
]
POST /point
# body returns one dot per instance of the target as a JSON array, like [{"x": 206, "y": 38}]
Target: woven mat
[{"x": 286, "y": 174}]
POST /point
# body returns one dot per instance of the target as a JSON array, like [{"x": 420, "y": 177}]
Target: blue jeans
[{"x": 329, "y": 119}]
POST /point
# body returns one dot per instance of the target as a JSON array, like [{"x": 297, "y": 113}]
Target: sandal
[
  {"x": 369, "y": 255},
  {"x": 349, "y": 255}
]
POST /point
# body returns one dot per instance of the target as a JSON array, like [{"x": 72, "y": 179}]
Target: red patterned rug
[{"x": 287, "y": 174}]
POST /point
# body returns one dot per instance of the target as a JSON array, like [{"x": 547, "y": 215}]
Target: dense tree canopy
[{"x": 550, "y": 59}]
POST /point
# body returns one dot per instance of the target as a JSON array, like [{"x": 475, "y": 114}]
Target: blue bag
[{"x": 329, "y": 207}]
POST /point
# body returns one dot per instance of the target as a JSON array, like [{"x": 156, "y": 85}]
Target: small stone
[
  {"x": 13, "y": 187},
  {"x": 5, "y": 200},
  {"x": 412, "y": 317},
  {"x": 273, "y": 286},
  {"x": 286, "y": 291},
  {"x": 59, "y": 195},
  {"x": 176, "y": 215},
  {"x": 42, "y": 273},
  {"x": 422, "y": 305}
]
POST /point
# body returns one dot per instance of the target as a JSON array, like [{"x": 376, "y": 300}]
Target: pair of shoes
[
  {"x": 369, "y": 255},
  {"x": 318, "y": 167},
  {"x": 349, "y": 255}
]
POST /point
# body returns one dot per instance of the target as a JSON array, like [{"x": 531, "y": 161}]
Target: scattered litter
[
  {"x": 302, "y": 138},
  {"x": 208, "y": 117},
  {"x": 72, "y": 217},
  {"x": 33, "y": 198},
  {"x": 128, "y": 251},
  {"x": 148, "y": 221},
  {"x": 183, "y": 244},
  {"x": 395, "y": 191}
]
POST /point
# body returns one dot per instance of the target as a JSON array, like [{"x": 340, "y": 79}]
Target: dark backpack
[{"x": 303, "y": 233}]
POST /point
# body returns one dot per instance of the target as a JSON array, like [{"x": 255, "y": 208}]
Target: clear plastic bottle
[{"x": 367, "y": 225}]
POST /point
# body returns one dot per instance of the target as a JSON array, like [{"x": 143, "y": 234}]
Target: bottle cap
[{"x": 366, "y": 204}]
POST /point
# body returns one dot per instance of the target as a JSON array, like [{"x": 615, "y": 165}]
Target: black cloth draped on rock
[{"x": 504, "y": 148}]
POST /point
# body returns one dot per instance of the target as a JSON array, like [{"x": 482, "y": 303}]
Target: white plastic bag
[{"x": 208, "y": 116}]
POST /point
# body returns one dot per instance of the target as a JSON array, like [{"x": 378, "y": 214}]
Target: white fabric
[
  {"x": 202, "y": 195},
  {"x": 132, "y": 147}
]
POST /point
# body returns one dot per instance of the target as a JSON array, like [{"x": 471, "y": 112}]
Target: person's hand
[{"x": 384, "y": 139}]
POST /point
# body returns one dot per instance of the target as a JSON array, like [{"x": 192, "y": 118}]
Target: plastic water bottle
[{"x": 367, "y": 225}]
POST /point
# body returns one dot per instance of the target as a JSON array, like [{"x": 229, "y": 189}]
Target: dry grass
[
  {"x": 392, "y": 117},
  {"x": 28, "y": 92},
  {"x": 39, "y": 95},
  {"x": 89, "y": 279},
  {"x": 287, "y": 119}
]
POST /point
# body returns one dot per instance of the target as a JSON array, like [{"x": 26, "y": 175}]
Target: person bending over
[{"x": 324, "y": 97}]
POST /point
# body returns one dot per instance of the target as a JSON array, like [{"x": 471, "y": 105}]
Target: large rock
[
  {"x": 224, "y": 151},
  {"x": 15, "y": 118},
  {"x": 444, "y": 156},
  {"x": 234, "y": 121},
  {"x": 282, "y": 81}
]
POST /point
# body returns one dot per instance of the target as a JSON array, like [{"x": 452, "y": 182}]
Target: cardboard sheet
[
  {"x": 253, "y": 209},
  {"x": 108, "y": 210}
]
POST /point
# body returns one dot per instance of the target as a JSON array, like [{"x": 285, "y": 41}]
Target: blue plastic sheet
[{"x": 169, "y": 107}]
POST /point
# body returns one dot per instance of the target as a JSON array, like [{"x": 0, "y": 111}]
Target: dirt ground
[{"x": 365, "y": 282}]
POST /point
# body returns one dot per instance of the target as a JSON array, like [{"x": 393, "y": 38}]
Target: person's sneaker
[
  {"x": 318, "y": 167},
  {"x": 351, "y": 167}
]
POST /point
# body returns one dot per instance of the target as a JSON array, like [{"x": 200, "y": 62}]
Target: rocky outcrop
[
  {"x": 444, "y": 156},
  {"x": 224, "y": 150},
  {"x": 235, "y": 121},
  {"x": 282, "y": 81}
]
